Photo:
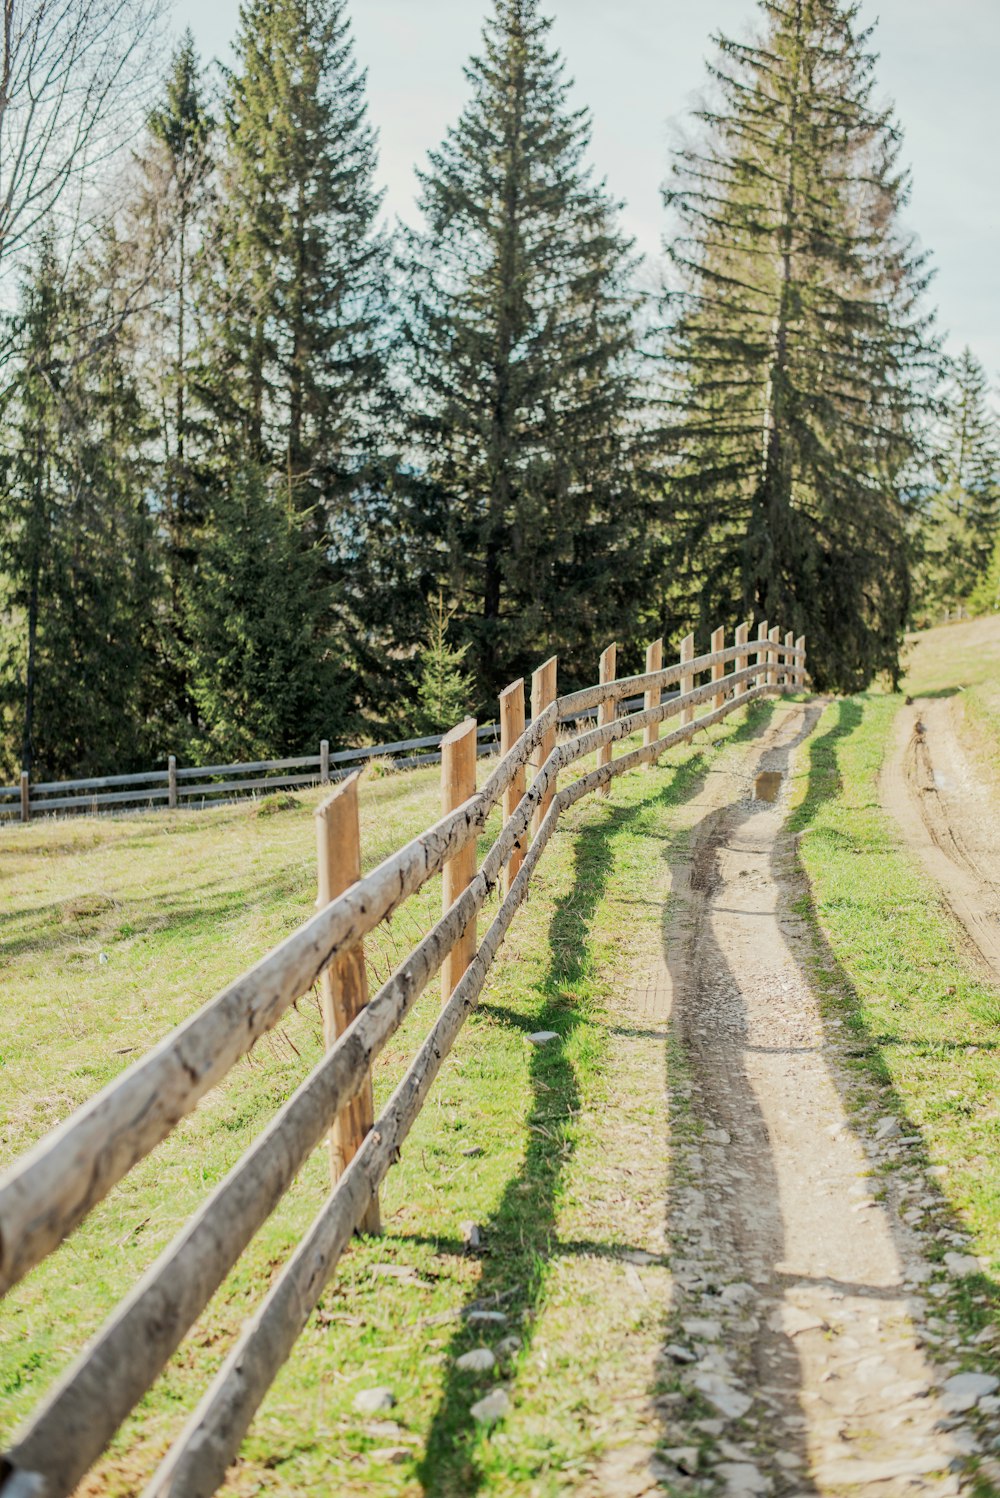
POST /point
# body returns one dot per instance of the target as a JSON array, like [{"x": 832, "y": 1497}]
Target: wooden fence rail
[{"x": 47, "y": 1192}]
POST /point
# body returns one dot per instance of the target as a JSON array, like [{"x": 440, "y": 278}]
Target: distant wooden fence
[{"x": 48, "y": 1192}]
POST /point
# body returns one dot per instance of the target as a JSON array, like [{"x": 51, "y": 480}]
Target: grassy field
[{"x": 117, "y": 929}]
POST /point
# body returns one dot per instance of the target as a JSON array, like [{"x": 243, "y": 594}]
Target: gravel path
[{"x": 799, "y": 1304}]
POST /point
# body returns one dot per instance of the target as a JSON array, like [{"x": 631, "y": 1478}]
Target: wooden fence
[
  {"x": 48, "y": 1192},
  {"x": 208, "y": 785}
]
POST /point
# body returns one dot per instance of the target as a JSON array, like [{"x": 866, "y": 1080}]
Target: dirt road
[
  {"x": 947, "y": 817},
  {"x": 800, "y": 1308}
]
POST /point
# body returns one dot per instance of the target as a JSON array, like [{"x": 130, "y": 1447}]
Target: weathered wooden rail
[{"x": 47, "y": 1192}]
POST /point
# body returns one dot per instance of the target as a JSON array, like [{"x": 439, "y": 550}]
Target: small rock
[
  {"x": 728, "y": 1401},
  {"x": 639, "y": 1256},
  {"x": 374, "y": 1401},
  {"x": 684, "y": 1458},
  {"x": 473, "y": 1152},
  {"x": 711, "y": 1428},
  {"x": 962, "y": 1264},
  {"x": 887, "y": 1128},
  {"x": 542, "y": 1037},
  {"x": 742, "y": 1479},
  {"x": 392, "y": 1454},
  {"x": 864, "y": 1204},
  {"x": 507, "y": 1346},
  {"x": 964, "y": 1391},
  {"x": 740, "y": 1294},
  {"x": 718, "y": 1136},
  {"x": 792, "y": 1320},
  {"x": 479, "y": 1360},
  {"x": 492, "y": 1408},
  {"x": 989, "y": 1405},
  {"x": 103, "y": 958},
  {"x": 680, "y": 1354},
  {"x": 494, "y": 1318},
  {"x": 702, "y": 1329},
  {"x": 471, "y": 1236}
]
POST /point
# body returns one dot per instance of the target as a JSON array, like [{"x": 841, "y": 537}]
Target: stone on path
[
  {"x": 493, "y": 1407},
  {"x": 742, "y": 1479},
  {"x": 727, "y": 1400},
  {"x": 542, "y": 1037},
  {"x": 479, "y": 1360},
  {"x": 965, "y": 1390},
  {"x": 684, "y": 1458},
  {"x": 374, "y": 1401}
]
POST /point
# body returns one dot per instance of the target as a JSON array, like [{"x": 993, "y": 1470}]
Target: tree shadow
[
  {"x": 520, "y": 1238},
  {"x": 728, "y": 1214}
]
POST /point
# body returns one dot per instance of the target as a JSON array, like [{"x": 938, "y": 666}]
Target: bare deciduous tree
[{"x": 73, "y": 86}]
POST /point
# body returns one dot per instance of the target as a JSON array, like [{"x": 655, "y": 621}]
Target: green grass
[
  {"x": 922, "y": 1025},
  {"x": 178, "y": 905},
  {"x": 963, "y": 660}
]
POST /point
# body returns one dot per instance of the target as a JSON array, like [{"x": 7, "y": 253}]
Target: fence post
[
  {"x": 344, "y": 983},
  {"x": 172, "y": 781},
  {"x": 543, "y": 692},
  {"x": 511, "y": 729},
  {"x": 772, "y": 657},
  {"x": 788, "y": 675},
  {"x": 719, "y": 669},
  {"x": 324, "y": 761},
  {"x": 458, "y": 783},
  {"x": 800, "y": 667},
  {"x": 687, "y": 682},
  {"x": 742, "y": 661},
  {"x": 25, "y": 797},
  {"x": 607, "y": 712},
  {"x": 761, "y": 660},
  {"x": 652, "y": 698}
]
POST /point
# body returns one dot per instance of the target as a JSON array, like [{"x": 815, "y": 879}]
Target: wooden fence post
[
  {"x": 772, "y": 657},
  {"x": 607, "y": 712},
  {"x": 800, "y": 666},
  {"x": 324, "y": 761},
  {"x": 652, "y": 698},
  {"x": 719, "y": 669},
  {"x": 687, "y": 682},
  {"x": 344, "y": 984},
  {"x": 742, "y": 661},
  {"x": 25, "y": 797},
  {"x": 172, "y": 781},
  {"x": 458, "y": 783},
  {"x": 788, "y": 675},
  {"x": 761, "y": 679},
  {"x": 543, "y": 692},
  {"x": 511, "y": 729}
]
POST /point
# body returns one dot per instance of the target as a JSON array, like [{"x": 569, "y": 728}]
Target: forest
[{"x": 274, "y": 469}]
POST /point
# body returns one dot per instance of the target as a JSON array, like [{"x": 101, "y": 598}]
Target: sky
[{"x": 638, "y": 66}]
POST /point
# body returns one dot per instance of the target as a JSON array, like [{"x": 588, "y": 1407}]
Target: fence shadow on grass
[{"x": 521, "y": 1238}]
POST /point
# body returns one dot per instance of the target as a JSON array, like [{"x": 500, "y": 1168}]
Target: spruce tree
[
  {"x": 261, "y": 676},
  {"x": 294, "y": 362},
  {"x": 519, "y": 345},
  {"x": 959, "y": 521},
  {"x": 802, "y": 355},
  {"x": 77, "y": 565},
  {"x": 167, "y": 222},
  {"x": 444, "y": 690}
]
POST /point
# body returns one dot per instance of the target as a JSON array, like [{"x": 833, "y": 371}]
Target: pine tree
[
  {"x": 294, "y": 355},
  {"x": 261, "y": 676},
  {"x": 520, "y": 345},
  {"x": 77, "y": 566},
  {"x": 167, "y": 222},
  {"x": 802, "y": 353},
  {"x": 959, "y": 523},
  {"x": 444, "y": 691}
]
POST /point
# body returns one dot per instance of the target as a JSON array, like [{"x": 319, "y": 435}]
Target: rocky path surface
[{"x": 799, "y": 1352}]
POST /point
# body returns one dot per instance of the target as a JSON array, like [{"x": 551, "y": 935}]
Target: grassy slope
[
  {"x": 923, "y": 1020},
  {"x": 178, "y": 906},
  {"x": 964, "y": 659}
]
